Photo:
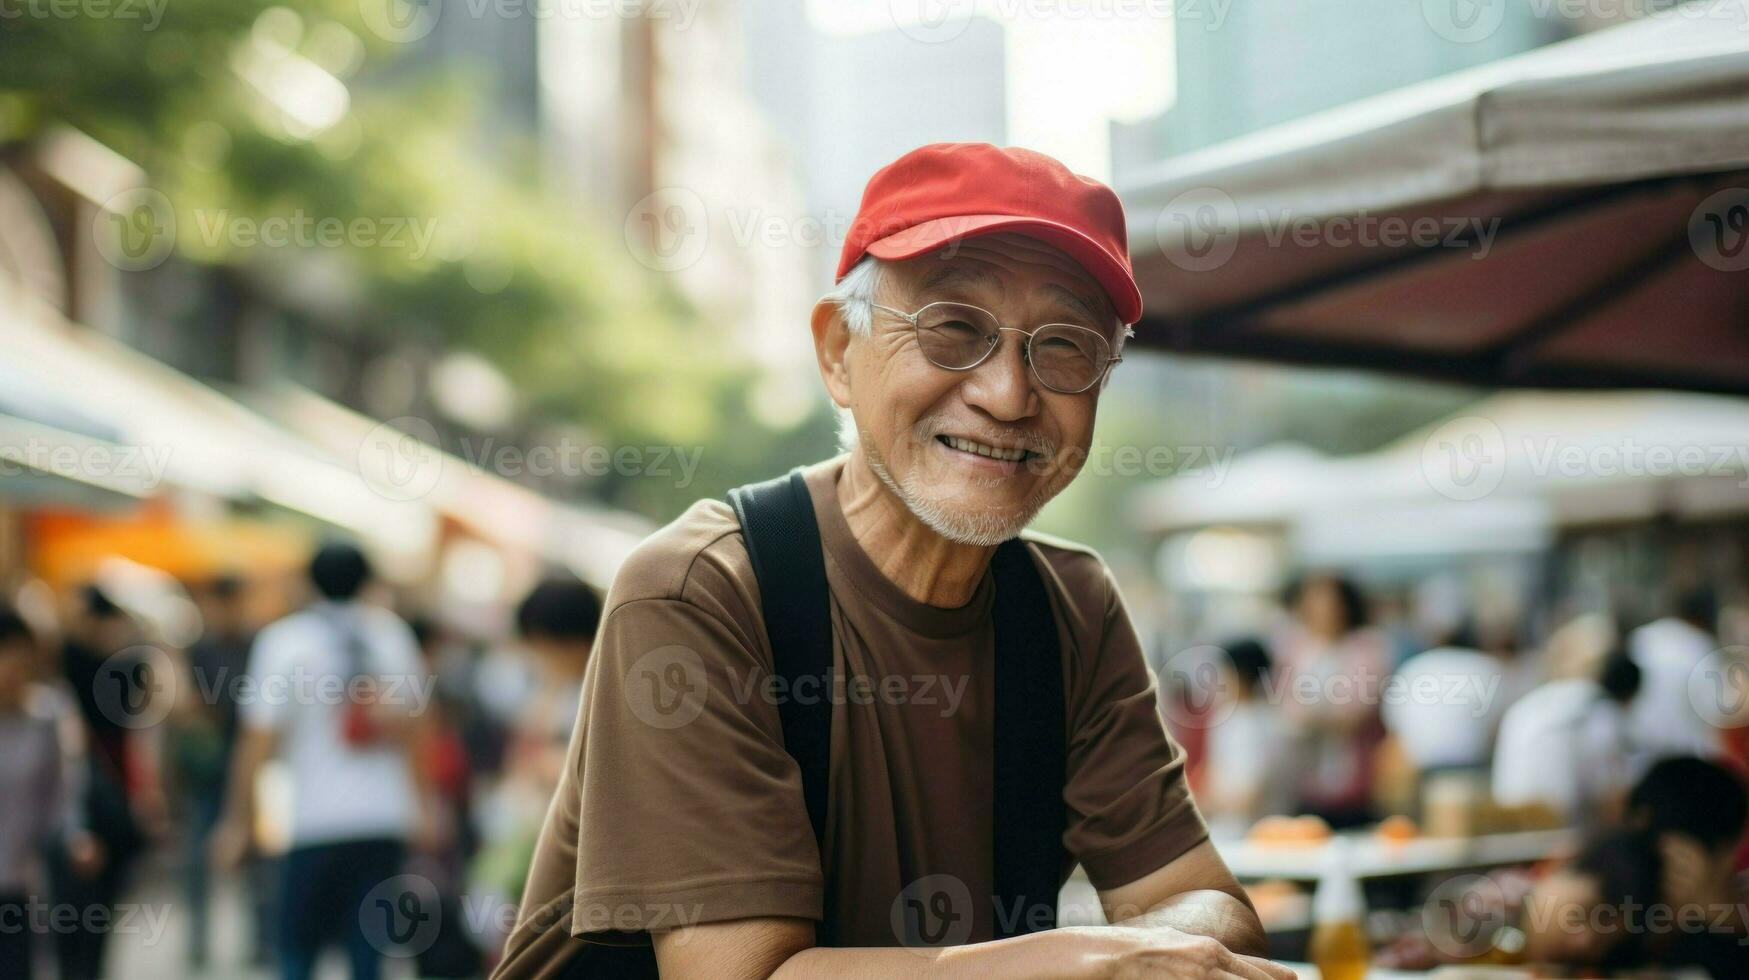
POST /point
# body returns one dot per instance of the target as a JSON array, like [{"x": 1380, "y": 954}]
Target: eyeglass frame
[{"x": 914, "y": 319}]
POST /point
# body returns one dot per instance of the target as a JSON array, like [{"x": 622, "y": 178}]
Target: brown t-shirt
[{"x": 679, "y": 804}]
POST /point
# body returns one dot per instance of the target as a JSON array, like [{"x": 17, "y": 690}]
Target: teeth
[{"x": 967, "y": 445}]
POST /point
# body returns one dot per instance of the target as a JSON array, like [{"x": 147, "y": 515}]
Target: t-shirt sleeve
[
  {"x": 690, "y": 809},
  {"x": 1130, "y": 809}
]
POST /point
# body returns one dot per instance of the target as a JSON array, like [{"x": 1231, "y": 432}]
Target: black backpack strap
[
  {"x": 1031, "y": 747},
  {"x": 783, "y": 541}
]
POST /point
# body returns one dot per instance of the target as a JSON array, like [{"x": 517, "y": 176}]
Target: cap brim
[{"x": 1105, "y": 268}]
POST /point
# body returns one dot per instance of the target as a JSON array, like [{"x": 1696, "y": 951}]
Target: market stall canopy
[
  {"x": 1499, "y": 475},
  {"x": 167, "y": 431},
  {"x": 591, "y": 541},
  {"x": 45, "y": 449},
  {"x": 1573, "y": 217}
]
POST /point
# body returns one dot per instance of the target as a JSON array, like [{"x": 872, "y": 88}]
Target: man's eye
[{"x": 956, "y": 326}]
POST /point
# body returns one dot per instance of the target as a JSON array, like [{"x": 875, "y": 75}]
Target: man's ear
[{"x": 832, "y": 350}]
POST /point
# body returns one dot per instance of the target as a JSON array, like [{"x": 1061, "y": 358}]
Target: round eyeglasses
[{"x": 1064, "y": 357}]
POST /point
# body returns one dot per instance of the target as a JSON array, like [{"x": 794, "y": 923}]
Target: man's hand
[
  {"x": 1127, "y": 953},
  {"x": 755, "y": 949},
  {"x": 1194, "y": 894}
]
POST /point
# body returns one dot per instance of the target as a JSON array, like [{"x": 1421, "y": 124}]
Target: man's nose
[{"x": 1002, "y": 385}]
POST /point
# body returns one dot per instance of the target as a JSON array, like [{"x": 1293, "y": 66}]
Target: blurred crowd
[
  {"x": 1340, "y": 713},
  {"x": 317, "y": 741},
  {"x": 323, "y": 745}
]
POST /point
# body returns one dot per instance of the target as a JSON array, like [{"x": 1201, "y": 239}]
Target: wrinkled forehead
[{"x": 990, "y": 268}]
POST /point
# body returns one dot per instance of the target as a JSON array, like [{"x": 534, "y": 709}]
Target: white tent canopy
[
  {"x": 591, "y": 542},
  {"x": 1500, "y": 475},
  {"x": 181, "y": 434}
]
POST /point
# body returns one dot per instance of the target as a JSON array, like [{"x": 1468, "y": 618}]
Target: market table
[
  {"x": 1309, "y": 972},
  {"x": 1373, "y": 857}
]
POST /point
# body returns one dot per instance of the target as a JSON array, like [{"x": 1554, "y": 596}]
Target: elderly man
[{"x": 853, "y": 723}]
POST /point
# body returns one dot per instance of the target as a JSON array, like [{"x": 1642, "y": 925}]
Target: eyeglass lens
[{"x": 1064, "y": 357}]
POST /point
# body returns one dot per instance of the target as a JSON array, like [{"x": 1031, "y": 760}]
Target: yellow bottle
[{"x": 1339, "y": 948}]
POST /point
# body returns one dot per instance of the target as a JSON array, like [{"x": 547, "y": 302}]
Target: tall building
[
  {"x": 847, "y": 104},
  {"x": 1262, "y": 63},
  {"x": 649, "y": 128}
]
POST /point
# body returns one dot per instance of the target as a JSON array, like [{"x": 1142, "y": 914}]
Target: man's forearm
[
  {"x": 761, "y": 948},
  {"x": 1208, "y": 912},
  {"x": 1053, "y": 955}
]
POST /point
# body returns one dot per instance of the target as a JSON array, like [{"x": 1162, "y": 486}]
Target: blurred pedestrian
[
  {"x": 1448, "y": 706},
  {"x": 1245, "y": 768},
  {"x": 1567, "y": 744},
  {"x": 203, "y": 736},
  {"x": 1657, "y": 891},
  {"x": 1334, "y": 666},
  {"x": 111, "y": 677},
  {"x": 447, "y": 782},
  {"x": 339, "y": 689},
  {"x": 33, "y": 778},
  {"x": 557, "y": 622},
  {"x": 1665, "y": 721},
  {"x": 1700, "y": 811}
]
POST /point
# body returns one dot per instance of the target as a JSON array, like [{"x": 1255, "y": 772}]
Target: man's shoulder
[
  {"x": 1088, "y": 602},
  {"x": 1081, "y": 575},
  {"x": 699, "y": 552}
]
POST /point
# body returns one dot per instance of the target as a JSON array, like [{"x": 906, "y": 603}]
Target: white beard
[{"x": 981, "y": 529}]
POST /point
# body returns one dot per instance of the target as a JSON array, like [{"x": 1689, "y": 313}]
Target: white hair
[{"x": 854, "y": 295}]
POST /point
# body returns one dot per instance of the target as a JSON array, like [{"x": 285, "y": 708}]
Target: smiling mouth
[{"x": 988, "y": 451}]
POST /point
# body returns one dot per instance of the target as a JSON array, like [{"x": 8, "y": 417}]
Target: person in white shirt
[
  {"x": 337, "y": 691},
  {"x": 1567, "y": 745},
  {"x": 1247, "y": 775},
  {"x": 1664, "y": 721},
  {"x": 1443, "y": 706}
]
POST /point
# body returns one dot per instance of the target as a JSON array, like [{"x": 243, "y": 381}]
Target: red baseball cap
[{"x": 944, "y": 192}]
